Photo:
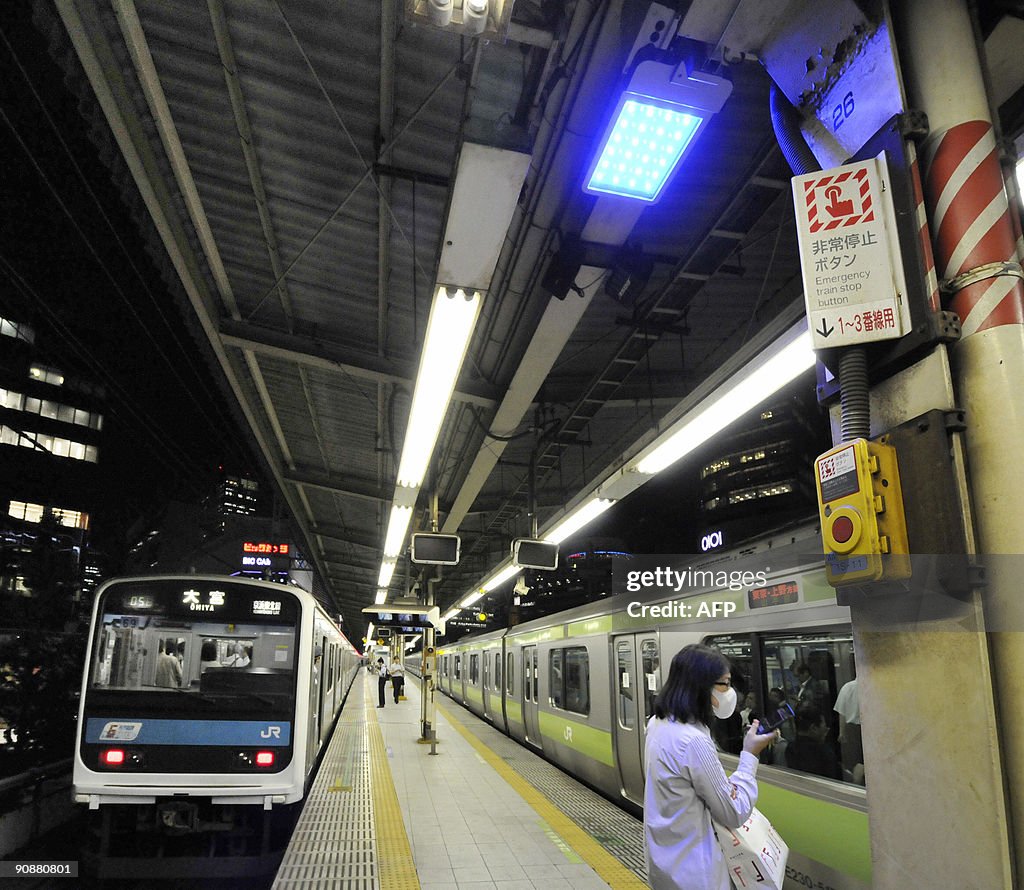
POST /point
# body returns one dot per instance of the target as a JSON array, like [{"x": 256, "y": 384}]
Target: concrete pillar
[{"x": 975, "y": 251}]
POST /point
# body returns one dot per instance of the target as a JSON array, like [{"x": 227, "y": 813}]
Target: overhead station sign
[{"x": 850, "y": 256}]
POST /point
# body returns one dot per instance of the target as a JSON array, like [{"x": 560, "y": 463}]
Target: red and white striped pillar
[{"x": 975, "y": 241}]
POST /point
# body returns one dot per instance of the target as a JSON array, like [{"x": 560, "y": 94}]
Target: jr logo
[
  {"x": 271, "y": 732},
  {"x": 568, "y": 733}
]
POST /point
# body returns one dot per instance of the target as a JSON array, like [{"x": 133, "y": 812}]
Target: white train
[{"x": 206, "y": 701}]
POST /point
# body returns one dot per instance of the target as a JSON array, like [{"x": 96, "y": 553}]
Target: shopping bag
[{"x": 754, "y": 852}]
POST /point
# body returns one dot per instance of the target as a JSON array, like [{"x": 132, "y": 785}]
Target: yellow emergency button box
[{"x": 863, "y": 523}]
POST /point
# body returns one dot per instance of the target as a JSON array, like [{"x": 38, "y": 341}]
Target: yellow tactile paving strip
[
  {"x": 396, "y": 869},
  {"x": 611, "y": 871}
]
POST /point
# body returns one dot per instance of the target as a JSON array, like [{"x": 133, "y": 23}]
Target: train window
[
  {"x": 649, "y": 661},
  {"x": 555, "y": 677},
  {"x": 626, "y": 684},
  {"x": 151, "y": 640},
  {"x": 497, "y": 671},
  {"x": 570, "y": 679},
  {"x": 577, "y": 680},
  {"x": 815, "y": 673},
  {"x": 509, "y": 673},
  {"x": 458, "y": 667},
  {"x": 535, "y": 672},
  {"x": 487, "y": 673},
  {"x": 474, "y": 669}
]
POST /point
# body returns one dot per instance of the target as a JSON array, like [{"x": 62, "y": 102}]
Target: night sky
[{"x": 73, "y": 264}]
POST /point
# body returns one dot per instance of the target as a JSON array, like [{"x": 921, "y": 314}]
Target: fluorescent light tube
[
  {"x": 469, "y": 600},
  {"x": 387, "y": 569},
  {"x": 369, "y": 632},
  {"x": 449, "y": 329},
  {"x": 382, "y": 595},
  {"x": 756, "y": 382},
  {"x": 451, "y": 613},
  {"x": 500, "y": 578},
  {"x": 577, "y": 519},
  {"x": 397, "y": 526}
]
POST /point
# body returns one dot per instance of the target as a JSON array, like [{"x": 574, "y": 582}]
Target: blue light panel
[{"x": 642, "y": 148}]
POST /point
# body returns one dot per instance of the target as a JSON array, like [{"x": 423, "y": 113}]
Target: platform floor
[{"x": 483, "y": 812}]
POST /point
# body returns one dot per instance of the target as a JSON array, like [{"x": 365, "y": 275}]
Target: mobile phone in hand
[{"x": 774, "y": 721}]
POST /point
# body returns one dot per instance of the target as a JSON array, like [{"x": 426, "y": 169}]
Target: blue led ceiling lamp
[{"x": 656, "y": 122}]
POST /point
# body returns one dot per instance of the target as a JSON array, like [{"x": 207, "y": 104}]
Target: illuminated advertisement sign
[{"x": 264, "y": 547}]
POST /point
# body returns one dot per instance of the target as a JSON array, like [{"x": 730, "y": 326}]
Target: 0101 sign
[{"x": 712, "y": 541}]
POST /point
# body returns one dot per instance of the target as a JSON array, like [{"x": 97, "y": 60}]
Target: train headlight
[{"x": 112, "y": 757}]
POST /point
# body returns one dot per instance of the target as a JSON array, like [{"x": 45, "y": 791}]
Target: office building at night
[{"x": 51, "y": 422}]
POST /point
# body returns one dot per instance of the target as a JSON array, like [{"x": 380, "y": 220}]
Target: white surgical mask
[{"x": 724, "y": 703}]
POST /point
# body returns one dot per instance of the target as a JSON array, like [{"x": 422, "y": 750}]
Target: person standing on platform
[
  {"x": 686, "y": 785},
  {"x": 382, "y": 679},
  {"x": 397, "y": 678}
]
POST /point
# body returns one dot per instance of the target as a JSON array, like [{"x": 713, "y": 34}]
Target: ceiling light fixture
[
  {"x": 656, "y": 121},
  {"x": 397, "y": 527},
  {"x": 449, "y": 329},
  {"x": 474, "y": 233},
  {"x": 387, "y": 569},
  {"x": 782, "y": 362},
  {"x": 581, "y": 516},
  {"x": 382, "y": 595}
]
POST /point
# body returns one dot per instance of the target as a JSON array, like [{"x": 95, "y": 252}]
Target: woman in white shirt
[{"x": 686, "y": 785}]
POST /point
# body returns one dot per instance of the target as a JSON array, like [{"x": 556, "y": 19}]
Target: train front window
[{"x": 184, "y": 643}]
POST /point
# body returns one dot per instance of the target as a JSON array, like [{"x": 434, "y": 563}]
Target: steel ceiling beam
[{"x": 338, "y": 359}]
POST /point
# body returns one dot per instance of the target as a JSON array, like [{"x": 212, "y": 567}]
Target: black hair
[
  {"x": 808, "y": 717},
  {"x": 686, "y": 695},
  {"x": 209, "y": 651}
]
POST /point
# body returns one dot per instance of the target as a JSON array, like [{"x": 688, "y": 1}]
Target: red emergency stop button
[{"x": 842, "y": 529}]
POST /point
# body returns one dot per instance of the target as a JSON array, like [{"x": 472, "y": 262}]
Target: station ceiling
[{"x": 292, "y": 162}]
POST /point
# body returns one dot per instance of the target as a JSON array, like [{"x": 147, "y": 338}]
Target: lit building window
[
  {"x": 34, "y": 513},
  {"x": 44, "y": 374},
  {"x": 17, "y": 330},
  {"x": 13, "y": 400},
  {"x": 55, "y": 445},
  {"x": 763, "y": 491}
]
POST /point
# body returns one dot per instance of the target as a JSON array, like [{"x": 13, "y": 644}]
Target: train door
[
  {"x": 637, "y": 681},
  {"x": 531, "y": 722}
]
